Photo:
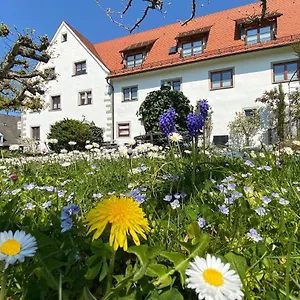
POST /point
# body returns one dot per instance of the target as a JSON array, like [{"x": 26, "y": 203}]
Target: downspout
[{"x": 112, "y": 110}]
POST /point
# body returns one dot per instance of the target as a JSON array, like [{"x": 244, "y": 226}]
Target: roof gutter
[{"x": 109, "y": 82}]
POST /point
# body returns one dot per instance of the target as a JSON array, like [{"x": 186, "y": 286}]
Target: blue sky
[{"x": 90, "y": 20}]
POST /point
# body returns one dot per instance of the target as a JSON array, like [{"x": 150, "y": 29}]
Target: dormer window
[
  {"x": 135, "y": 54},
  {"x": 134, "y": 60},
  {"x": 257, "y": 29},
  {"x": 259, "y": 35},
  {"x": 193, "y": 42}
]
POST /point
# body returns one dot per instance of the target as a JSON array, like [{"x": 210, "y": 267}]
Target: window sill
[
  {"x": 85, "y": 104},
  {"x": 285, "y": 81},
  {"x": 222, "y": 88},
  {"x": 74, "y": 75},
  {"x": 58, "y": 109},
  {"x": 123, "y": 136},
  {"x": 133, "y": 100}
]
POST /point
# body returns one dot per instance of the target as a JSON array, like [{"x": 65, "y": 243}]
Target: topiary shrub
[
  {"x": 158, "y": 102},
  {"x": 70, "y": 130}
]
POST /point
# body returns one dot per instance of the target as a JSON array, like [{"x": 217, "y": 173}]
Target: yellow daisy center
[
  {"x": 11, "y": 247},
  {"x": 213, "y": 277}
]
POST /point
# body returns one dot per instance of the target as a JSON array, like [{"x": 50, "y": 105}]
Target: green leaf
[
  {"x": 141, "y": 252},
  {"x": 155, "y": 270},
  {"x": 194, "y": 230},
  {"x": 104, "y": 270},
  {"x": 87, "y": 295},
  {"x": 238, "y": 263},
  {"x": 92, "y": 272},
  {"x": 173, "y": 294}
]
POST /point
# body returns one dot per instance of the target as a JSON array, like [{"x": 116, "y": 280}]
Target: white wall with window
[
  {"x": 77, "y": 72},
  {"x": 230, "y": 84}
]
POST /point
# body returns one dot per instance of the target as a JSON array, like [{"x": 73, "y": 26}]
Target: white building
[{"x": 230, "y": 58}]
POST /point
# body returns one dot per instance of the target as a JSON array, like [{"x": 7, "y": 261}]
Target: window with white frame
[
  {"x": 85, "y": 98},
  {"x": 123, "y": 129},
  {"x": 130, "y": 93}
]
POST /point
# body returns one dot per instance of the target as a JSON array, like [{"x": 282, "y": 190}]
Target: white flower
[
  {"x": 288, "y": 151},
  {"x": 72, "y": 143},
  {"x": 175, "y": 137},
  {"x": 88, "y": 147},
  {"x": 66, "y": 164},
  {"x": 14, "y": 147},
  {"x": 296, "y": 143},
  {"x": 96, "y": 145},
  {"x": 63, "y": 151},
  {"x": 175, "y": 204},
  {"x": 16, "y": 246},
  {"x": 213, "y": 280}
]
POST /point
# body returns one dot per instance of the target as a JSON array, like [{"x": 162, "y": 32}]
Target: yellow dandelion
[{"x": 125, "y": 216}]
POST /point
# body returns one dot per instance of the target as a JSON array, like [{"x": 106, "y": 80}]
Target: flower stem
[
  {"x": 110, "y": 273},
  {"x": 3, "y": 285},
  {"x": 194, "y": 163}
]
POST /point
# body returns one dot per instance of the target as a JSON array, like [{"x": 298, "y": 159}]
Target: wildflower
[
  {"x": 46, "y": 204},
  {"x": 95, "y": 145},
  {"x": 266, "y": 199},
  {"x": 66, "y": 224},
  {"x": 249, "y": 163},
  {"x": 72, "y": 143},
  {"x": 229, "y": 200},
  {"x": 60, "y": 193},
  {"x": 13, "y": 147},
  {"x": 223, "y": 209},
  {"x": 63, "y": 151},
  {"x": 231, "y": 186},
  {"x": 212, "y": 279},
  {"x": 261, "y": 211},
  {"x": 177, "y": 196},
  {"x": 253, "y": 235},
  {"x": 29, "y": 206},
  {"x": 13, "y": 177},
  {"x": 252, "y": 154},
  {"x": 297, "y": 143},
  {"x": 136, "y": 194},
  {"x": 99, "y": 195},
  {"x": 247, "y": 189},
  {"x": 175, "y": 204},
  {"x": 237, "y": 195},
  {"x": 262, "y": 155},
  {"x": 267, "y": 168},
  {"x": 88, "y": 147},
  {"x": 283, "y": 190},
  {"x": 298, "y": 188},
  {"x": 283, "y": 201},
  {"x": 66, "y": 164},
  {"x": 194, "y": 124},
  {"x": 16, "y": 246},
  {"x": 275, "y": 195},
  {"x": 201, "y": 222},
  {"x": 288, "y": 151},
  {"x": 167, "y": 122},
  {"x": 203, "y": 108},
  {"x": 175, "y": 137},
  {"x": 125, "y": 217}
]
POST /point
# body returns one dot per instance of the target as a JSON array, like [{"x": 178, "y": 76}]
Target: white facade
[
  {"x": 68, "y": 86},
  {"x": 252, "y": 75}
]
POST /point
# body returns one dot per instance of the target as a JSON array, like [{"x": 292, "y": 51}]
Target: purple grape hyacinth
[{"x": 167, "y": 122}]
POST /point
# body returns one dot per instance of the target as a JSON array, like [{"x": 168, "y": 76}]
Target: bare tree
[
  {"x": 21, "y": 84},
  {"x": 151, "y": 5}
]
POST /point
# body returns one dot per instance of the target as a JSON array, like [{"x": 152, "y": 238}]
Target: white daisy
[
  {"x": 175, "y": 137},
  {"x": 213, "y": 280},
  {"x": 16, "y": 246}
]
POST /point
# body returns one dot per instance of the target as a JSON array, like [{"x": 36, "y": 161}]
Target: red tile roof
[{"x": 222, "y": 39}]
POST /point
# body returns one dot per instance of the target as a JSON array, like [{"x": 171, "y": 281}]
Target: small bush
[{"x": 70, "y": 130}]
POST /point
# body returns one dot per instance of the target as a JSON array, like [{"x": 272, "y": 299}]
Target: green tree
[
  {"x": 21, "y": 85},
  {"x": 243, "y": 128},
  {"x": 158, "y": 102},
  {"x": 70, "y": 130},
  {"x": 275, "y": 101}
]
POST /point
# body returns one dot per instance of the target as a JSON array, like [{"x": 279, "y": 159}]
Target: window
[
  {"x": 221, "y": 79},
  {"x": 175, "y": 84},
  {"x": 259, "y": 35},
  {"x": 130, "y": 93},
  {"x": 220, "y": 140},
  {"x": 64, "y": 37},
  {"x": 55, "y": 105},
  {"x": 192, "y": 48},
  {"x": 250, "y": 111},
  {"x": 19, "y": 125},
  {"x": 50, "y": 72},
  {"x": 85, "y": 98},
  {"x": 123, "y": 130},
  {"x": 35, "y": 133},
  {"x": 134, "y": 60},
  {"x": 80, "y": 68},
  {"x": 285, "y": 71}
]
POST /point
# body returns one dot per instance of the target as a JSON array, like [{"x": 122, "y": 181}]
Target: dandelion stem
[
  {"x": 3, "y": 285},
  {"x": 110, "y": 273}
]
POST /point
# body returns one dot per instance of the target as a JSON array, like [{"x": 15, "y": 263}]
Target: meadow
[{"x": 146, "y": 222}]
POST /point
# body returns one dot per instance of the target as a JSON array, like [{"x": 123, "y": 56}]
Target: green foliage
[
  {"x": 158, "y": 102},
  {"x": 74, "y": 130}
]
